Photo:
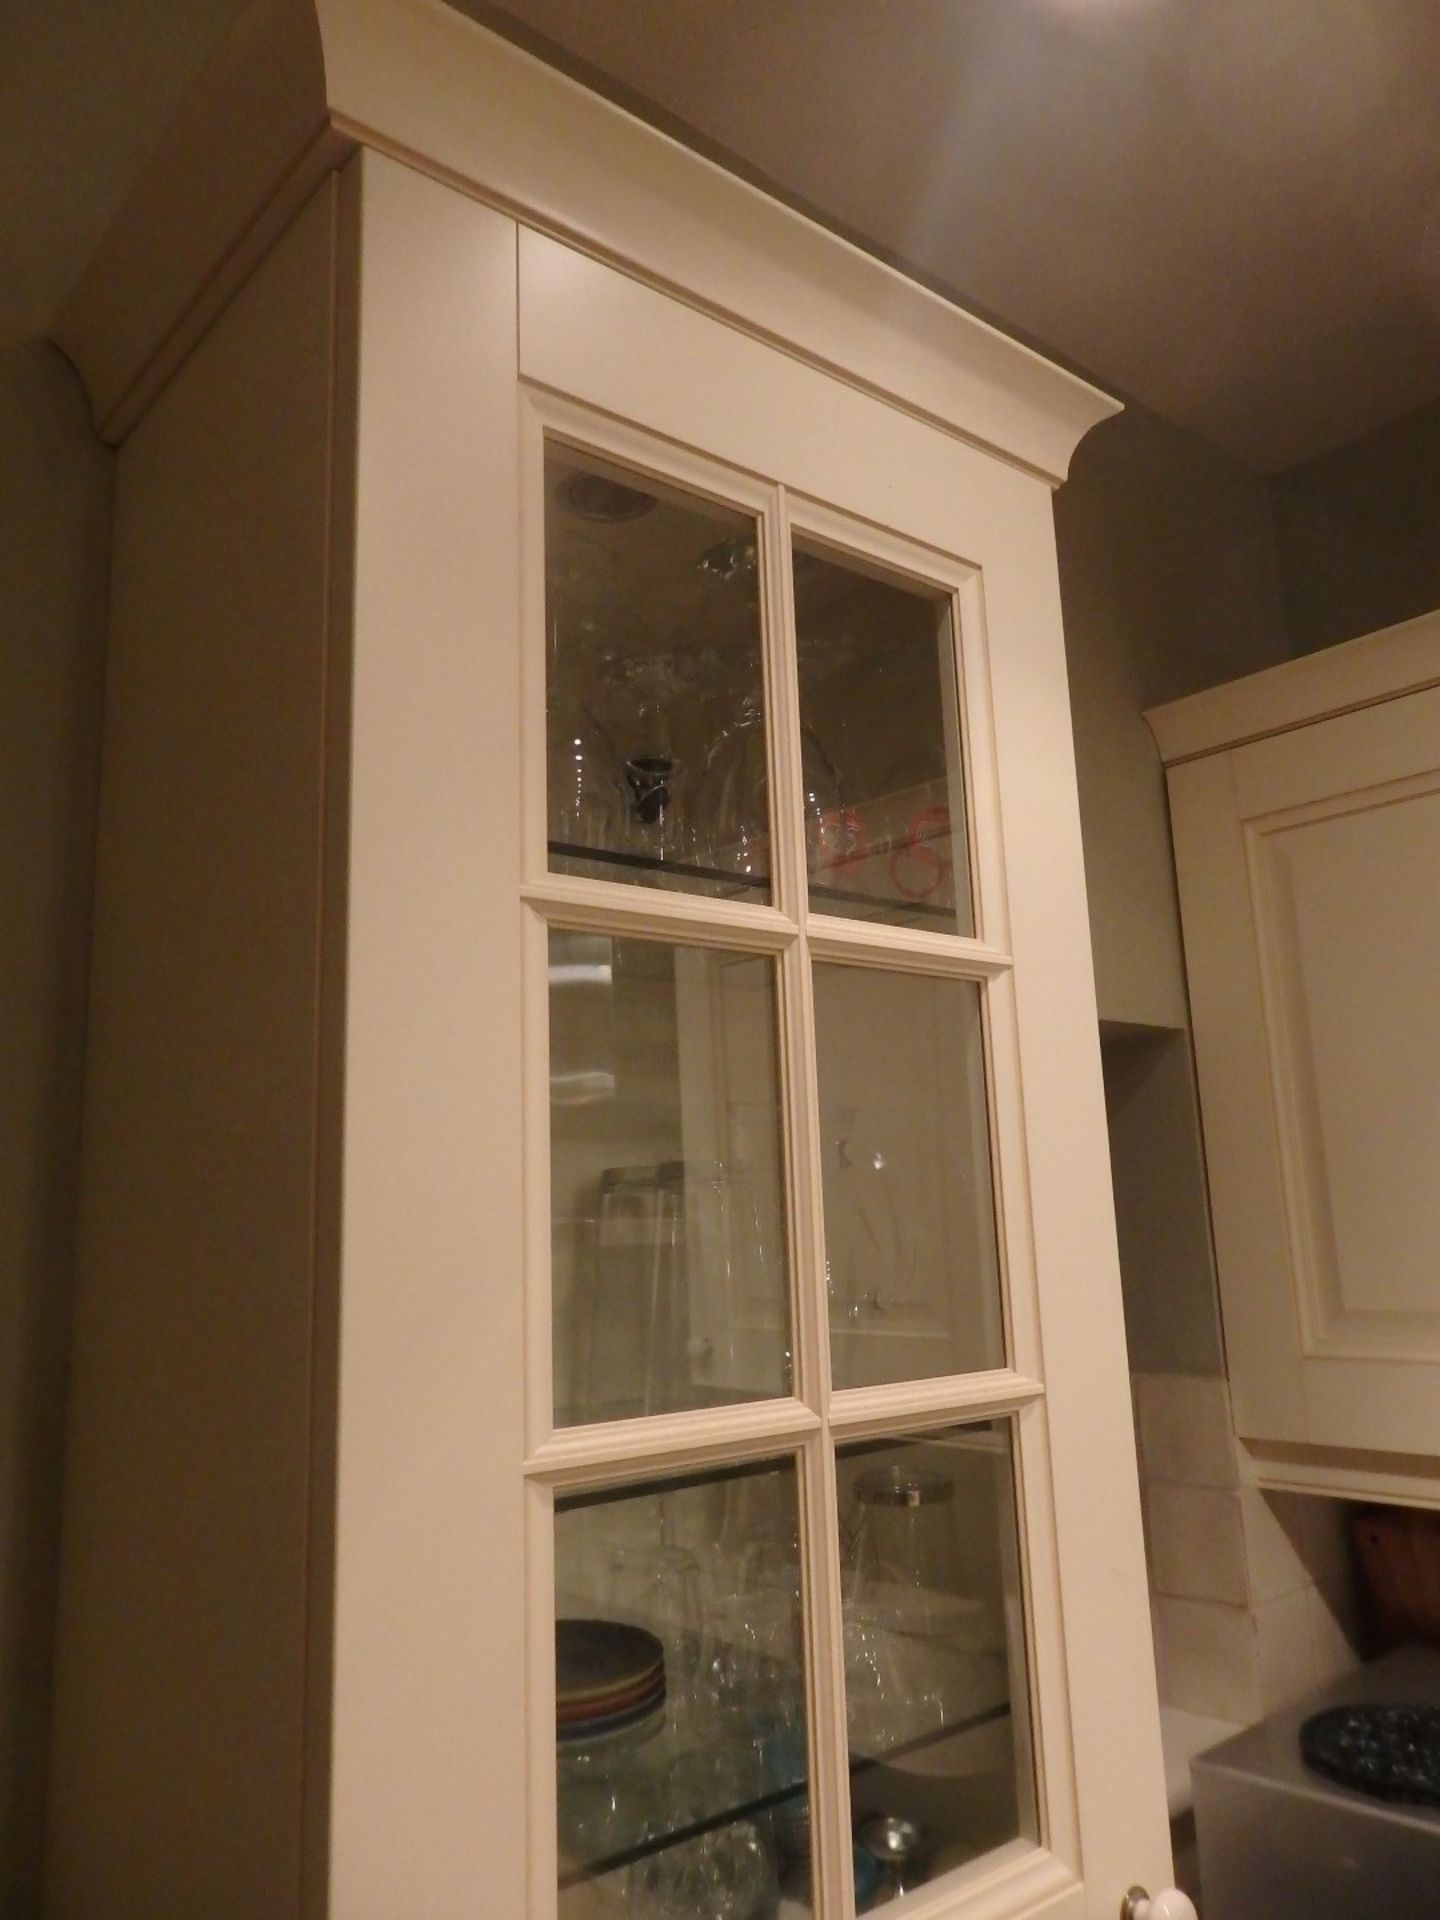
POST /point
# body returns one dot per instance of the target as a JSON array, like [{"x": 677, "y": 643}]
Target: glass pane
[
  {"x": 937, "y": 1703},
  {"x": 884, "y": 796},
  {"x": 657, "y": 759},
  {"x": 666, "y": 1191},
  {"x": 680, "y": 1699},
  {"x": 912, "y": 1267}
]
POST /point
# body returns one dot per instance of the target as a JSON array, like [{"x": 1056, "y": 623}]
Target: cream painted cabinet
[
  {"x": 599, "y": 1381},
  {"x": 1305, "y": 806}
]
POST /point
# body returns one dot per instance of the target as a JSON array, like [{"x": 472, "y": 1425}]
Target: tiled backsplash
[{"x": 1252, "y": 1595}]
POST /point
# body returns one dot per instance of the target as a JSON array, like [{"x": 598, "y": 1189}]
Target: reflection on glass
[
  {"x": 909, "y": 1210},
  {"x": 669, "y": 1257},
  {"x": 937, "y": 1705},
  {"x": 680, "y": 1700},
  {"x": 878, "y": 700},
  {"x": 653, "y": 616}
]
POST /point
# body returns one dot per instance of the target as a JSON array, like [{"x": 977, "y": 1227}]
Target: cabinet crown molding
[
  {"x": 1378, "y": 666},
  {"x": 299, "y": 84}
]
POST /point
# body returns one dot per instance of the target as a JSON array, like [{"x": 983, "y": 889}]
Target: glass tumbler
[{"x": 583, "y": 775}]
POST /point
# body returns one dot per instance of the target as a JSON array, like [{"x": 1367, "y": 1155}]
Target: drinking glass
[
  {"x": 679, "y": 1826},
  {"x": 657, "y": 1586},
  {"x": 910, "y": 1230},
  {"x": 655, "y": 628},
  {"x": 935, "y": 1667},
  {"x": 877, "y": 665},
  {"x": 669, "y": 1278},
  {"x": 584, "y": 775},
  {"x": 607, "y": 1804},
  {"x": 647, "y": 693},
  {"x": 734, "y": 787},
  {"x": 727, "y": 1873}
]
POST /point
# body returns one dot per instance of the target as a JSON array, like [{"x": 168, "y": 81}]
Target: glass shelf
[
  {"x": 654, "y": 1758},
  {"x": 616, "y": 863}
]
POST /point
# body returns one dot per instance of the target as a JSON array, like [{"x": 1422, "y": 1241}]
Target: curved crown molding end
[{"x": 299, "y": 84}]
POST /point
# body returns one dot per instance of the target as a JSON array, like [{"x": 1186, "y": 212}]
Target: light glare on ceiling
[{"x": 1093, "y": 9}]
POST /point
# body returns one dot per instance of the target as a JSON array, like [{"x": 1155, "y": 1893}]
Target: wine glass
[
  {"x": 607, "y": 1803},
  {"x": 657, "y": 1586},
  {"x": 727, "y": 1874},
  {"x": 734, "y": 797},
  {"x": 650, "y": 696}
]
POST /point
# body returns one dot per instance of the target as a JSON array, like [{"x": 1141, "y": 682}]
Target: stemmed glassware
[
  {"x": 607, "y": 1803},
  {"x": 876, "y": 1246},
  {"x": 649, "y": 690},
  {"x": 728, "y": 1873},
  {"x": 735, "y": 787},
  {"x": 630, "y": 772},
  {"x": 657, "y": 1585}
]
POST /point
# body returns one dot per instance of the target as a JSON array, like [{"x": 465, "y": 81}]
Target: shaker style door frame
[
  {"x": 810, "y": 1423},
  {"x": 905, "y": 482},
  {"x": 1093, "y": 1689}
]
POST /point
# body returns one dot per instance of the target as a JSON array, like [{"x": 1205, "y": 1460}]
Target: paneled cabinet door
[
  {"x": 832, "y": 1576},
  {"x": 1307, "y": 867}
]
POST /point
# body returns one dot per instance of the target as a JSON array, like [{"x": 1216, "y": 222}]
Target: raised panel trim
[
  {"x": 1328, "y": 1329},
  {"x": 1252, "y": 1241}
]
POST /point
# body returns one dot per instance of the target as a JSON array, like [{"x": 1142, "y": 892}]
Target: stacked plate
[{"x": 608, "y": 1677}]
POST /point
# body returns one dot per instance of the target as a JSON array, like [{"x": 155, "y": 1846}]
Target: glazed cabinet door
[{"x": 755, "y": 1460}]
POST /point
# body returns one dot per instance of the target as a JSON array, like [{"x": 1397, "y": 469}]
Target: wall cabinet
[
  {"x": 599, "y": 1352},
  {"x": 1305, "y": 805}
]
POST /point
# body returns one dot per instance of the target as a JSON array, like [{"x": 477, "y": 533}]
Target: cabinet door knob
[{"x": 1168, "y": 1904}]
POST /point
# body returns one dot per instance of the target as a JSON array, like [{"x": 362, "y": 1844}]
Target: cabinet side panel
[
  {"x": 1242, "y": 1154},
  {"x": 177, "y": 1738},
  {"x": 1097, "y": 1524},
  {"x": 428, "y": 1814}
]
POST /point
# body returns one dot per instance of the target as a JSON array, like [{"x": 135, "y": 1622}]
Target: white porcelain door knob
[{"x": 1168, "y": 1904}]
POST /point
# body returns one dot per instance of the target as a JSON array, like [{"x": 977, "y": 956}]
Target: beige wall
[
  {"x": 1162, "y": 1221},
  {"x": 178, "y": 1721},
  {"x": 1167, "y": 573},
  {"x": 1358, "y": 533},
  {"x": 1168, "y": 580},
  {"x": 1180, "y": 570},
  {"x": 55, "y": 483}
]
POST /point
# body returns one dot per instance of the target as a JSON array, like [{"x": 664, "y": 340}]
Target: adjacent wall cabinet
[
  {"x": 1305, "y": 805},
  {"x": 599, "y": 1381}
]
